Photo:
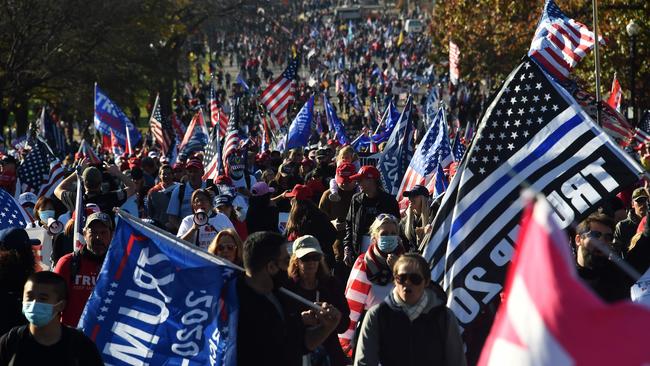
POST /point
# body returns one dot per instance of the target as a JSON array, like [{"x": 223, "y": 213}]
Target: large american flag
[
  {"x": 433, "y": 150},
  {"x": 560, "y": 42},
  {"x": 41, "y": 171},
  {"x": 161, "y": 129},
  {"x": 534, "y": 135},
  {"x": 217, "y": 115},
  {"x": 279, "y": 94},
  {"x": 211, "y": 156},
  {"x": 11, "y": 213}
]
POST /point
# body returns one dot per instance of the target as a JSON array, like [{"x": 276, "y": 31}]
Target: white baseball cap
[
  {"x": 27, "y": 197},
  {"x": 306, "y": 244}
]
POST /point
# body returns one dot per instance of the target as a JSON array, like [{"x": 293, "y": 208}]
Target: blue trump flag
[
  {"x": 335, "y": 122},
  {"x": 159, "y": 301},
  {"x": 108, "y": 116},
  {"x": 388, "y": 122},
  {"x": 398, "y": 151},
  {"x": 300, "y": 129}
]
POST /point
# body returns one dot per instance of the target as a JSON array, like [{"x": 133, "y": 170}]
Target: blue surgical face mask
[
  {"x": 46, "y": 214},
  {"x": 387, "y": 243},
  {"x": 38, "y": 313}
]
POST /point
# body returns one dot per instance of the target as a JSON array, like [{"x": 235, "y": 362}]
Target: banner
[
  {"x": 109, "y": 116},
  {"x": 158, "y": 301}
]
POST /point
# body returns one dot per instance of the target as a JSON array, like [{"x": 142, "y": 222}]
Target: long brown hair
[
  {"x": 301, "y": 211},
  {"x": 294, "y": 269}
]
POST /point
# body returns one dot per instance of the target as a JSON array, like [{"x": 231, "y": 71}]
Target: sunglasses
[
  {"x": 313, "y": 257},
  {"x": 386, "y": 216},
  {"x": 414, "y": 278},
  {"x": 641, "y": 200},
  {"x": 597, "y": 235},
  {"x": 226, "y": 246}
]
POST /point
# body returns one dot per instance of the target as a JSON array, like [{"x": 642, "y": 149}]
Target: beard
[
  {"x": 594, "y": 261},
  {"x": 279, "y": 279}
]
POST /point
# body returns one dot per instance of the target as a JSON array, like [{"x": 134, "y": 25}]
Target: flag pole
[{"x": 594, "y": 5}]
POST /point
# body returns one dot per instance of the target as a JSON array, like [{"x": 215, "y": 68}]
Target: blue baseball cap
[
  {"x": 223, "y": 200},
  {"x": 16, "y": 238}
]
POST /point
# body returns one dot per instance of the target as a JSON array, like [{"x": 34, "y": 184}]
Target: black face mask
[{"x": 279, "y": 279}]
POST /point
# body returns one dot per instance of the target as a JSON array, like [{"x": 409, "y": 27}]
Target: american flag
[
  {"x": 610, "y": 120},
  {"x": 41, "y": 171},
  {"x": 560, "y": 42},
  {"x": 52, "y": 133},
  {"x": 232, "y": 141},
  {"x": 179, "y": 127},
  {"x": 211, "y": 160},
  {"x": 458, "y": 149},
  {"x": 279, "y": 94},
  {"x": 217, "y": 115},
  {"x": 128, "y": 148},
  {"x": 80, "y": 214},
  {"x": 533, "y": 134},
  {"x": 160, "y": 128},
  {"x": 11, "y": 212},
  {"x": 87, "y": 152},
  {"x": 433, "y": 150},
  {"x": 642, "y": 131},
  {"x": 454, "y": 56}
]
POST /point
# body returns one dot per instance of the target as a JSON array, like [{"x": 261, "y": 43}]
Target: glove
[{"x": 348, "y": 256}]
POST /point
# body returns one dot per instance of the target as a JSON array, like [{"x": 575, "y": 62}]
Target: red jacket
[{"x": 80, "y": 289}]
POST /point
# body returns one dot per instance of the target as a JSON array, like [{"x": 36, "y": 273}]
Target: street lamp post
[{"x": 633, "y": 30}]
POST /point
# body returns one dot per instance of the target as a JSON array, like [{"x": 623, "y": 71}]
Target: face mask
[
  {"x": 46, "y": 214},
  {"x": 38, "y": 313},
  {"x": 388, "y": 243}
]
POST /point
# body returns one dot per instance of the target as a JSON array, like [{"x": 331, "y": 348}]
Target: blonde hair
[
  {"x": 380, "y": 220},
  {"x": 344, "y": 152},
  {"x": 214, "y": 245}
]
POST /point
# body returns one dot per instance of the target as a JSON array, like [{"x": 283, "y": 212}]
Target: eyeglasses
[
  {"x": 312, "y": 257},
  {"x": 227, "y": 246},
  {"x": 641, "y": 200},
  {"x": 597, "y": 235},
  {"x": 386, "y": 216},
  {"x": 414, "y": 278}
]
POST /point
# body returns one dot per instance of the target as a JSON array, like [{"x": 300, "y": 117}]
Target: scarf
[
  {"x": 377, "y": 269},
  {"x": 412, "y": 311}
]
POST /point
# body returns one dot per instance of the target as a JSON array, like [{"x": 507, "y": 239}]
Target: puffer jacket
[{"x": 363, "y": 212}]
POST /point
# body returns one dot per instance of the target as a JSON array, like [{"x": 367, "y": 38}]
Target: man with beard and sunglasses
[
  {"x": 595, "y": 267},
  {"x": 268, "y": 333},
  {"x": 81, "y": 268}
]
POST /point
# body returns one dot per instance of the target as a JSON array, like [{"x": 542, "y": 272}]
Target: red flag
[
  {"x": 616, "y": 95},
  {"x": 550, "y": 317}
]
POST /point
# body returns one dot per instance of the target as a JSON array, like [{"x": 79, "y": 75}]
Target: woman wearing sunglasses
[
  {"x": 371, "y": 278},
  {"x": 310, "y": 278},
  {"x": 227, "y": 245},
  {"x": 412, "y": 317}
]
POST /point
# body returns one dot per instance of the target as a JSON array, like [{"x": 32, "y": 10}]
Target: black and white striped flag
[{"x": 533, "y": 134}]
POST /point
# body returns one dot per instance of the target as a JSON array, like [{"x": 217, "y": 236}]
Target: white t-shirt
[{"x": 206, "y": 232}]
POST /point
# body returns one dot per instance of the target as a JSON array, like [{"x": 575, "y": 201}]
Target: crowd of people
[{"x": 313, "y": 220}]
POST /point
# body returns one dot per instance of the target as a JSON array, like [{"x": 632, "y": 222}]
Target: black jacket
[
  {"x": 362, "y": 213},
  {"x": 624, "y": 232}
]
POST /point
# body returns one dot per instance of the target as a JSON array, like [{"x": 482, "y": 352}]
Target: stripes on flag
[
  {"x": 615, "y": 95},
  {"x": 160, "y": 129},
  {"x": 433, "y": 150},
  {"x": 560, "y": 42},
  {"x": 454, "y": 57},
  {"x": 533, "y": 134},
  {"x": 87, "y": 152},
  {"x": 211, "y": 160},
  {"x": 217, "y": 116},
  {"x": 40, "y": 171},
  {"x": 279, "y": 94}
]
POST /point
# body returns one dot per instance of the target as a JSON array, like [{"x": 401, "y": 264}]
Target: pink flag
[{"x": 550, "y": 317}]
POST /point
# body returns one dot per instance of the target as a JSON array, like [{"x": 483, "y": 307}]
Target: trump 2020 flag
[
  {"x": 109, "y": 116},
  {"x": 550, "y": 317},
  {"x": 159, "y": 301},
  {"x": 300, "y": 129},
  {"x": 398, "y": 151},
  {"x": 335, "y": 122},
  {"x": 533, "y": 134}
]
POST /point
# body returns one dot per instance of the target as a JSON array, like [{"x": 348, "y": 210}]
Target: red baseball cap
[
  {"x": 344, "y": 172},
  {"x": 223, "y": 179},
  {"x": 366, "y": 172},
  {"x": 194, "y": 163},
  {"x": 300, "y": 192}
]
